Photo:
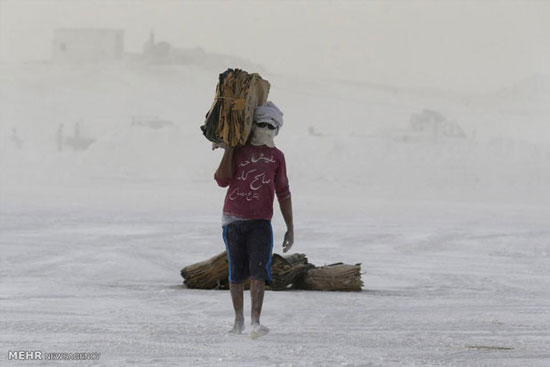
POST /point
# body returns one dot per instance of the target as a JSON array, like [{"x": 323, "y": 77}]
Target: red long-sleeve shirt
[{"x": 259, "y": 172}]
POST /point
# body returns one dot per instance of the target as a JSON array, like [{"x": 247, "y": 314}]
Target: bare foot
[
  {"x": 258, "y": 331},
  {"x": 238, "y": 327}
]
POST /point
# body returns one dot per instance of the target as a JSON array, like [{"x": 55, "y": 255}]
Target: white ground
[
  {"x": 439, "y": 288},
  {"x": 453, "y": 236}
]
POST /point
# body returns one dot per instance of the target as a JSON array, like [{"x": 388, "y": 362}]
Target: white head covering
[{"x": 269, "y": 113}]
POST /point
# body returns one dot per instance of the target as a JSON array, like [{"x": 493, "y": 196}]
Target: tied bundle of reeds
[
  {"x": 231, "y": 115},
  {"x": 208, "y": 274},
  {"x": 334, "y": 277},
  {"x": 287, "y": 272}
]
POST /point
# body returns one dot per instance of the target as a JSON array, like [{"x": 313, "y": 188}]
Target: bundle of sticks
[
  {"x": 231, "y": 115},
  {"x": 339, "y": 276},
  {"x": 207, "y": 274},
  {"x": 288, "y": 272}
]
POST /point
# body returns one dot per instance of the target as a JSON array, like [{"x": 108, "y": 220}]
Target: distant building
[
  {"x": 97, "y": 46},
  {"x": 87, "y": 45},
  {"x": 157, "y": 52}
]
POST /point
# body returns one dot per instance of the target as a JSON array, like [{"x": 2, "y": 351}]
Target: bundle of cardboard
[{"x": 231, "y": 115}]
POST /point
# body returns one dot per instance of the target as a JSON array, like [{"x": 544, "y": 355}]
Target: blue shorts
[{"x": 249, "y": 245}]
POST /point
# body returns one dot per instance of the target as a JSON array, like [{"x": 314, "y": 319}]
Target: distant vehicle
[
  {"x": 151, "y": 122},
  {"x": 427, "y": 126},
  {"x": 430, "y": 121}
]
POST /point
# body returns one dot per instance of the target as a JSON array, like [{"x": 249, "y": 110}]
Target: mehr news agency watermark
[{"x": 38, "y": 355}]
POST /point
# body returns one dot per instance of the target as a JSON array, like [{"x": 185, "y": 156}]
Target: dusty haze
[
  {"x": 350, "y": 77},
  {"x": 417, "y": 142},
  {"x": 472, "y": 45}
]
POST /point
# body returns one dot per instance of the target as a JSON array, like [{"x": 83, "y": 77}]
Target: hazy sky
[{"x": 463, "y": 45}]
